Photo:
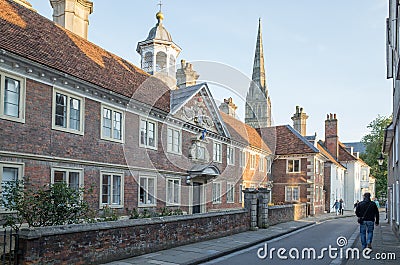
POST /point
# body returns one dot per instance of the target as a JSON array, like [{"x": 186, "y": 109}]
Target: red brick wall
[{"x": 106, "y": 242}]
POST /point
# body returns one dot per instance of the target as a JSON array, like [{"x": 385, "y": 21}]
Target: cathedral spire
[
  {"x": 258, "y": 103},
  {"x": 258, "y": 67}
]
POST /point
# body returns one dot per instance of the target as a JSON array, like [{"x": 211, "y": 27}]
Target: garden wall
[
  {"x": 108, "y": 241},
  {"x": 285, "y": 213}
]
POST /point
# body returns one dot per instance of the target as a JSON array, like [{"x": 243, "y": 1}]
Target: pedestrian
[
  {"x": 341, "y": 206},
  {"x": 336, "y": 206},
  {"x": 367, "y": 213},
  {"x": 355, "y": 204},
  {"x": 377, "y": 203}
]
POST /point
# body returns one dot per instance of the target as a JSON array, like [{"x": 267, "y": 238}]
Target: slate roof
[
  {"x": 180, "y": 97},
  {"x": 32, "y": 36},
  {"x": 325, "y": 152},
  {"x": 244, "y": 133},
  {"x": 357, "y": 147},
  {"x": 287, "y": 141}
]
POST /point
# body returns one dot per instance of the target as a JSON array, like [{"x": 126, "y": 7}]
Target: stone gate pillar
[
  {"x": 263, "y": 199},
  {"x": 250, "y": 203}
]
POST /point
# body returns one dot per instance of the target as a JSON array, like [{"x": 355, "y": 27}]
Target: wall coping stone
[{"x": 37, "y": 232}]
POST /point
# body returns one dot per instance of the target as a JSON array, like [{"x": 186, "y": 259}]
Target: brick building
[{"x": 74, "y": 112}]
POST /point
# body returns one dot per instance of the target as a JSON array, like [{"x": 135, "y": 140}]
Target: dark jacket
[{"x": 369, "y": 210}]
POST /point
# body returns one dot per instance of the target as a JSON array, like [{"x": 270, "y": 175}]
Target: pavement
[
  {"x": 385, "y": 245},
  {"x": 200, "y": 252}
]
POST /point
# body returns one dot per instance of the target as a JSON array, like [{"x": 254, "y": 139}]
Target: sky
[{"x": 325, "y": 56}]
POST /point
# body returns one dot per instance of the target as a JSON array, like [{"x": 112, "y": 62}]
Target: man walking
[{"x": 368, "y": 213}]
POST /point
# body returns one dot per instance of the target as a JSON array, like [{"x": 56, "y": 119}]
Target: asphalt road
[{"x": 319, "y": 236}]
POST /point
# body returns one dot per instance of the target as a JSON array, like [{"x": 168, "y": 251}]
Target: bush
[{"x": 55, "y": 204}]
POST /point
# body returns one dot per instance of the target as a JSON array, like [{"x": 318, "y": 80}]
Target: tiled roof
[
  {"x": 287, "y": 141},
  {"x": 357, "y": 147},
  {"x": 32, "y": 36},
  {"x": 244, "y": 133},
  {"x": 325, "y": 152}
]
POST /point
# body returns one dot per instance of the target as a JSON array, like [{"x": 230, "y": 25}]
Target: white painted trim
[
  {"x": 173, "y": 128},
  {"x": 147, "y": 120},
  {"x": 81, "y": 114},
  {"x": 287, "y": 166},
  {"x": 143, "y": 205},
  {"x": 22, "y": 97},
  {"x": 112, "y": 173},
  {"x": 112, "y": 139},
  {"x": 214, "y": 150},
  {"x": 166, "y": 191},
  {"x": 219, "y": 199},
  {"x": 233, "y": 192}
]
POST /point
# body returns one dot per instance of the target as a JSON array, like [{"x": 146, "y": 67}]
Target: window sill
[
  {"x": 62, "y": 129},
  {"x": 148, "y": 147},
  {"x": 141, "y": 205},
  {"x": 10, "y": 118},
  {"x": 111, "y": 206},
  {"x": 112, "y": 140}
]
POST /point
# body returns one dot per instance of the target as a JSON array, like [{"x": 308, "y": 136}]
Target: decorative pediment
[{"x": 196, "y": 105}]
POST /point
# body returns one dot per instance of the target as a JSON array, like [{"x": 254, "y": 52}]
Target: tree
[
  {"x": 55, "y": 204},
  {"x": 373, "y": 143}
]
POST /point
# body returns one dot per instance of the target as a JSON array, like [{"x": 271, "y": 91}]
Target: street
[{"x": 322, "y": 235}]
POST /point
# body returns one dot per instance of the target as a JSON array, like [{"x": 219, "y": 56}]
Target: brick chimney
[
  {"x": 331, "y": 135},
  {"x": 228, "y": 107},
  {"x": 186, "y": 76},
  {"x": 300, "y": 121},
  {"x": 73, "y": 15}
]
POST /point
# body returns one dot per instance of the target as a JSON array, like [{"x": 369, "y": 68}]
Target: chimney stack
[
  {"x": 73, "y": 15},
  {"x": 228, "y": 107},
  {"x": 331, "y": 135},
  {"x": 300, "y": 121},
  {"x": 186, "y": 76}
]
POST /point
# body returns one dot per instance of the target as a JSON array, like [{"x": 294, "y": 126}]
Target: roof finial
[{"x": 160, "y": 15}]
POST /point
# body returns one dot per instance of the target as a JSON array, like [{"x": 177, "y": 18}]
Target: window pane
[
  {"x": 176, "y": 191},
  {"x": 107, "y": 123},
  {"x": 9, "y": 174},
  {"x": 59, "y": 176},
  {"x": 143, "y": 132},
  {"x": 169, "y": 139},
  {"x": 295, "y": 194},
  {"x": 290, "y": 166},
  {"x": 151, "y": 191},
  {"x": 106, "y": 189},
  {"x": 74, "y": 180},
  {"x": 11, "y": 97},
  {"x": 151, "y": 134},
  {"x": 61, "y": 110},
  {"x": 117, "y": 126},
  {"x": 142, "y": 192},
  {"x": 170, "y": 188},
  {"x": 75, "y": 114},
  {"x": 116, "y": 189},
  {"x": 176, "y": 141},
  {"x": 296, "y": 165}
]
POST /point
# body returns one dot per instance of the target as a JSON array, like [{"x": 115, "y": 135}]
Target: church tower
[
  {"x": 158, "y": 53},
  {"x": 258, "y": 103}
]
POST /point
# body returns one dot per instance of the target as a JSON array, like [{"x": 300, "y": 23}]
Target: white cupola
[{"x": 159, "y": 53}]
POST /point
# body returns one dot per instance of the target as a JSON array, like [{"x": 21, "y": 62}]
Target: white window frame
[
  {"x": 67, "y": 170},
  {"x": 216, "y": 192},
  {"x": 145, "y": 204},
  {"x": 112, "y": 138},
  {"x": 242, "y": 158},
  {"x": 230, "y": 155},
  {"x": 81, "y": 114},
  {"x": 293, "y": 161},
  {"x": 174, "y": 186},
  {"x": 22, "y": 93},
  {"x": 171, "y": 144},
  {"x": 230, "y": 192},
  {"x": 291, "y": 188},
  {"x": 112, "y": 173},
  {"x": 241, "y": 194},
  {"x": 261, "y": 164},
  {"x": 252, "y": 161},
  {"x": 16, "y": 165},
  {"x": 269, "y": 164},
  {"x": 217, "y": 157},
  {"x": 155, "y": 134}
]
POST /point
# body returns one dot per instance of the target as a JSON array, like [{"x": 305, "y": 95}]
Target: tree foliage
[
  {"x": 373, "y": 143},
  {"x": 55, "y": 204}
]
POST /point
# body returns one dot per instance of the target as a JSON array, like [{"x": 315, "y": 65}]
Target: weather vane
[{"x": 160, "y": 4}]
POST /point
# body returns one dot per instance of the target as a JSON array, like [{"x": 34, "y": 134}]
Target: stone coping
[
  {"x": 37, "y": 232},
  {"x": 285, "y": 206}
]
